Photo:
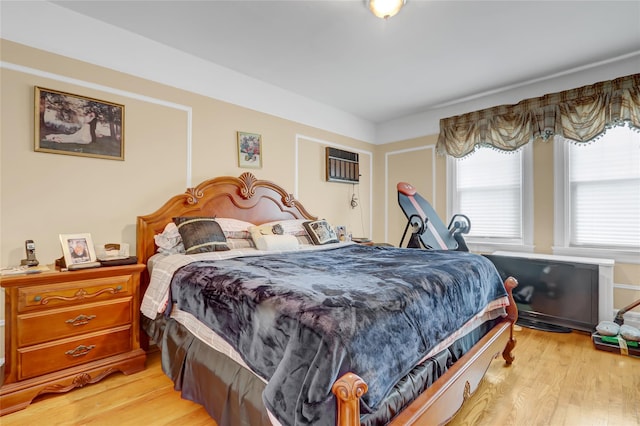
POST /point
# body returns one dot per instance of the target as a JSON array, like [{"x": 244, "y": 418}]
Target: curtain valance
[{"x": 579, "y": 114}]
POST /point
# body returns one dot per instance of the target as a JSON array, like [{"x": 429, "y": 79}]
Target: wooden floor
[{"x": 556, "y": 379}]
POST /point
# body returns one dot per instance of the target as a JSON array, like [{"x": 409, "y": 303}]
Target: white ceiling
[{"x": 432, "y": 54}]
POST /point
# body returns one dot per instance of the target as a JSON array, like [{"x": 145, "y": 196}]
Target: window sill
[
  {"x": 487, "y": 247},
  {"x": 620, "y": 256}
]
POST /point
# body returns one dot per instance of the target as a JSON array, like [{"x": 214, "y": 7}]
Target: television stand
[{"x": 542, "y": 326}]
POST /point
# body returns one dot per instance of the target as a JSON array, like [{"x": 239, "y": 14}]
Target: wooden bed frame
[{"x": 259, "y": 201}]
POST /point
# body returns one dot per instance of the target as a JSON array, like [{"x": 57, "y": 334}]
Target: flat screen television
[{"x": 552, "y": 295}]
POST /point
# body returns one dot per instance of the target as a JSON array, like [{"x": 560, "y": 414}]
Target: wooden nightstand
[{"x": 65, "y": 330}]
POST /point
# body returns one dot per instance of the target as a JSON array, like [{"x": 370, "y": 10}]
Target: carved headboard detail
[{"x": 245, "y": 197}]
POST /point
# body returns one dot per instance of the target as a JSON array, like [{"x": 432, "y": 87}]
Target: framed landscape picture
[
  {"x": 77, "y": 125},
  {"x": 249, "y": 150}
]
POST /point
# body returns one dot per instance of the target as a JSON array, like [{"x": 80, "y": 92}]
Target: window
[
  {"x": 492, "y": 188},
  {"x": 597, "y": 205}
]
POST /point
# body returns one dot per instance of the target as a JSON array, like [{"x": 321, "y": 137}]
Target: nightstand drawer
[
  {"x": 53, "y": 324},
  {"x": 73, "y": 293},
  {"x": 46, "y": 358}
]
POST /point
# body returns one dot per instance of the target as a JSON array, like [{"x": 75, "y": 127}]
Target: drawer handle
[
  {"x": 80, "y": 295},
  {"x": 80, "y": 351},
  {"x": 80, "y": 320}
]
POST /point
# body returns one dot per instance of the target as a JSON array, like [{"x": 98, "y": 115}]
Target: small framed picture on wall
[{"x": 249, "y": 150}]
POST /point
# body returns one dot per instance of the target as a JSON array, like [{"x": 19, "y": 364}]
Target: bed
[{"x": 239, "y": 387}]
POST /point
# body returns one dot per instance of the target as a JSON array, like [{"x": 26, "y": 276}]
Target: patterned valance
[{"x": 579, "y": 114}]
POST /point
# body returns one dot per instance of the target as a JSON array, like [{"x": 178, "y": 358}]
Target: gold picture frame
[
  {"x": 78, "y": 125},
  {"x": 249, "y": 150},
  {"x": 78, "y": 249}
]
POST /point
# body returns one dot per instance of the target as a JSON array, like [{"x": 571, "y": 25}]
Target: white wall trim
[
  {"x": 627, "y": 287},
  {"x": 386, "y": 181},
  {"x": 335, "y": 145},
  {"x": 114, "y": 91}
]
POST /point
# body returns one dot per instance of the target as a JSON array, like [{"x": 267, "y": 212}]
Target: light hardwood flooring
[{"x": 556, "y": 379}]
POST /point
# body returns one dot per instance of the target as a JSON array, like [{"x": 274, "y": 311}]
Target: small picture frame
[
  {"x": 78, "y": 249},
  {"x": 249, "y": 150},
  {"x": 78, "y": 125}
]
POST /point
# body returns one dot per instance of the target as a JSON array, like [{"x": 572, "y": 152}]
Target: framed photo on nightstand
[{"x": 78, "y": 249}]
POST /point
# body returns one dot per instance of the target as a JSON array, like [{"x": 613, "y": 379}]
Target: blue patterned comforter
[{"x": 302, "y": 319}]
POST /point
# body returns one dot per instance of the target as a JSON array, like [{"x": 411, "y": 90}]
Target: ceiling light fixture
[{"x": 385, "y": 8}]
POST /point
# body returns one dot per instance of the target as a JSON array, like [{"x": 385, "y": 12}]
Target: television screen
[{"x": 552, "y": 295}]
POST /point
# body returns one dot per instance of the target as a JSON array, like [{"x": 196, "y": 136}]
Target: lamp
[{"x": 385, "y": 8}]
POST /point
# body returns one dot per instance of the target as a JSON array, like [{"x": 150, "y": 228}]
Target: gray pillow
[
  {"x": 201, "y": 234},
  {"x": 608, "y": 328},
  {"x": 630, "y": 333}
]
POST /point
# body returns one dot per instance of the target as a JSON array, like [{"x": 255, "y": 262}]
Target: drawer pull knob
[
  {"x": 37, "y": 298},
  {"x": 80, "y": 350},
  {"x": 80, "y": 320}
]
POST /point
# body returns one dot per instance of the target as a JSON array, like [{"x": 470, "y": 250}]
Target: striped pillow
[
  {"x": 234, "y": 228},
  {"x": 201, "y": 234}
]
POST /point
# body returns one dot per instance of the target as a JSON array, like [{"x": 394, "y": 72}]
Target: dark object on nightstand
[
  {"x": 117, "y": 262},
  {"x": 30, "y": 249}
]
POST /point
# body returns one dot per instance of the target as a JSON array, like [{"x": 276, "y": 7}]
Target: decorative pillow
[
  {"x": 304, "y": 240},
  {"x": 240, "y": 243},
  {"x": 265, "y": 239},
  {"x": 234, "y": 228},
  {"x": 321, "y": 232},
  {"x": 201, "y": 234},
  {"x": 169, "y": 241},
  {"x": 289, "y": 226},
  {"x": 277, "y": 242}
]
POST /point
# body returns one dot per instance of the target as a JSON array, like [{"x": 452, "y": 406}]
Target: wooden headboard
[{"x": 244, "y": 197}]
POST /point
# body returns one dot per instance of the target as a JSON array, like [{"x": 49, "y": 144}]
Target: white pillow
[
  {"x": 276, "y": 242},
  {"x": 289, "y": 226},
  {"x": 234, "y": 228},
  {"x": 264, "y": 239}
]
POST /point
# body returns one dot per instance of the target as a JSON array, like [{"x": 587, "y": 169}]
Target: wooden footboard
[{"x": 441, "y": 401}]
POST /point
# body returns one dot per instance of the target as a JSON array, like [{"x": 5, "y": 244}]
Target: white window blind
[
  {"x": 489, "y": 192},
  {"x": 604, "y": 186}
]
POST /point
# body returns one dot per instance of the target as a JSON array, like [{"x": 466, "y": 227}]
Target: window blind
[
  {"x": 489, "y": 191},
  {"x": 604, "y": 185}
]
